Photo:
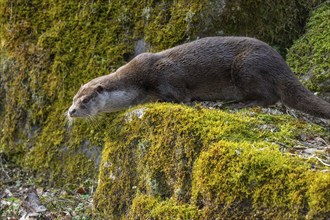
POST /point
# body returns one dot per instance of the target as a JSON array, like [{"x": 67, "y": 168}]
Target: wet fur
[{"x": 215, "y": 68}]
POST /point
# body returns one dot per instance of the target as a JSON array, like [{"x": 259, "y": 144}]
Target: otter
[{"x": 240, "y": 69}]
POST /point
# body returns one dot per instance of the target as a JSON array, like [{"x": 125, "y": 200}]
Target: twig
[
  {"x": 325, "y": 164},
  {"x": 3, "y": 170},
  {"x": 310, "y": 157}
]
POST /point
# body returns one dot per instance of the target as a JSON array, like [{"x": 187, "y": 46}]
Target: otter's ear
[{"x": 99, "y": 88}]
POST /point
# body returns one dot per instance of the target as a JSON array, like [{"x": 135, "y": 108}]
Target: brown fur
[{"x": 215, "y": 68}]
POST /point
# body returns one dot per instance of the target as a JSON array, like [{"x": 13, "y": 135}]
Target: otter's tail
[{"x": 295, "y": 95}]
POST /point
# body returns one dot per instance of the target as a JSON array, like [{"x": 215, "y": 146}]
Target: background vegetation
[{"x": 309, "y": 56}]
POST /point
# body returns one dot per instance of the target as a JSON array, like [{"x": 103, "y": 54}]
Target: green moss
[
  {"x": 153, "y": 160},
  {"x": 148, "y": 207},
  {"x": 257, "y": 181},
  {"x": 309, "y": 56},
  {"x": 318, "y": 196}
]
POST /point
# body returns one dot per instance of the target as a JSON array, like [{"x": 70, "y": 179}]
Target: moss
[
  {"x": 319, "y": 194},
  {"x": 153, "y": 160},
  {"x": 257, "y": 181},
  {"x": 148, "y": 207},
  {"x": 309, "y": 56}
]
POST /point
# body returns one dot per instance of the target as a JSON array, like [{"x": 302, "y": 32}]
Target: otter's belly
[{"x": 227, "y": 93}]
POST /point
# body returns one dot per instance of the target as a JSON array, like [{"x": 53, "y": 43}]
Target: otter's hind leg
[{"x": 256, "y": 85}]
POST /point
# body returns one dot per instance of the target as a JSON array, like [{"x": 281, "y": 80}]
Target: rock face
[
  {"x": 178, "y": 162},
  {"x": 309, "y": 56},
  {"x": 49, "y": 48}
]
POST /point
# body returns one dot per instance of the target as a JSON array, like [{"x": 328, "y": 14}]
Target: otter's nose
[{"x": 72, "y": 111}]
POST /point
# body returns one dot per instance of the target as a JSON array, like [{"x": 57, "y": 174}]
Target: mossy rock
[
  {"x": 278, "y": 23},
  {"x": 255, "y": 180},
  {"x": 178, "y": 162},
  {"x": 52, "y": 47},
  {"x": 309, "y": 56}
]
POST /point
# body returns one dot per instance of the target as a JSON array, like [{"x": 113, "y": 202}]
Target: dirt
[{"x": 23, "y": 197}]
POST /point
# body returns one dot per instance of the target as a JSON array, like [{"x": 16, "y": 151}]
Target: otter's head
[
  {"x": 93, "y": 98},
  {"x": 89, "y": 100}
]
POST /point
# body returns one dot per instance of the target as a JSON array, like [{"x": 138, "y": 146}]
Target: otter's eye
[
  {"x": 85, "y": 101},
  {"x": 99, "y": 89}
]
